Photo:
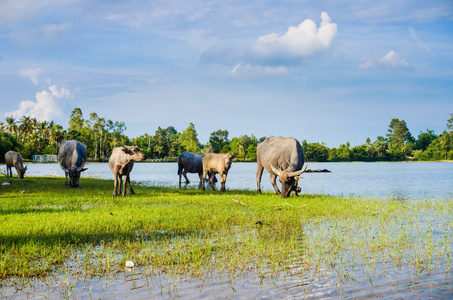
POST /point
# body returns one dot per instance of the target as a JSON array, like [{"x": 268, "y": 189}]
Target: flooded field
[{"x": 408, "y": 255}]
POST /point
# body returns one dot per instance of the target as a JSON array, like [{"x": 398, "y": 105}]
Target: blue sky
[{"x": 323, "y": 71}]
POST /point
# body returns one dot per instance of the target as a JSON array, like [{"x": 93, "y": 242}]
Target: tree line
[{"x": 30, "y": 136}]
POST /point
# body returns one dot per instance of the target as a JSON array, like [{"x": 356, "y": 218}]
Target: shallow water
[
  {"x": 358, "y": 280},
  {"x": 415, "y": 180}
]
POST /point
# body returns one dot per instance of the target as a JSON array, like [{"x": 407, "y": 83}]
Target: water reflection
[{"x": 401, "y": 181}]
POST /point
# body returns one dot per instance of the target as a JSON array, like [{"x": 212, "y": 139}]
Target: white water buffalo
[
  {"x": 189, "y": 162},
  {"x": 72, "y": 157},
  {"x": 216, "y": 163},
  {"x": 121, "y": 163},
  {"x": 281, "y": 157},
  {"x": 13, "y": 159}
]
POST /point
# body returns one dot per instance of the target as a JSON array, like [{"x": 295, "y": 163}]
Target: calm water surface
[
  {"x": 412, "y": 181},
  {"x": 421, "y": 180}
]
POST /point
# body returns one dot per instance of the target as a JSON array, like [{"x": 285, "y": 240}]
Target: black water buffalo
[
  {"x": 281, "y": 157},
  {"x": 217, "y": 163},
  {"x": 121, "y": 163},
  {"x": 72, "y": 157},
  {"x": 189, "y": 162},
  {"x": 13, "y": 159}
]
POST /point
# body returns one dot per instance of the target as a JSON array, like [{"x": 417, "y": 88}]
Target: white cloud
[
  {"x": 392, "y": 61},
  {"x": 248, "y": 69},
  {"x": 420, "y": 43},
  {"x": 47, "y": 107},
  {"x": 300, "y": 41},
  {"x": 32, "y": 74}
]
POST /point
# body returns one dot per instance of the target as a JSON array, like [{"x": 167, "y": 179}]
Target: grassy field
[{"x": 47, "y": 227}]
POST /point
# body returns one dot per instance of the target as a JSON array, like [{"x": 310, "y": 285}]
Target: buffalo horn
[
  {"x": 275, "y": 170},
  {"x": 297, "y": 173},
  {"x": 64, "y": 169}
]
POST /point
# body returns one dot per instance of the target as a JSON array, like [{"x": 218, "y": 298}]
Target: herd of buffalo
[{"x": 282, "y": 157}]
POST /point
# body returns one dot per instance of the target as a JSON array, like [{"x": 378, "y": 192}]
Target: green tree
[
  {"x": 242, "y": 146},
  {"x": 424, "y": 139},
  {"x": 399, "y": 138},
  {"x": 57, "y": 135},
  {"x": 26, "y": 127},
  {"x": 7, "y": 143},
  {"x": 117, "y": 129},
  {"x": 360, "y": 153},
  {"x": 446, "y": 139},
  {"x": 11, "y": 126},
  {"x": 146, "y": 144},
  {"x": 315, "y": 151},
  {"x": 189, "y": 139},
  {"x": 76, "y": 120},
  {"x": 378, "y": 149},
  {"x": 218, "y": 141},
  {"x": 163, "y": 141},
  {"x": 450, "y": 123}
]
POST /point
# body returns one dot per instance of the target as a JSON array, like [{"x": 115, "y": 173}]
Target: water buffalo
[
  {"x": 72, "y": 157},
  {"x": 121, "y": 163},
  {"x": 189, "y": 162},
  {"x": 216, "y": 163},
  {"x": 13, "y": 159},
  {"x": 281, "y": 157}
]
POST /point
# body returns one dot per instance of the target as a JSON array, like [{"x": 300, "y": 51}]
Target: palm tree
[
  {"x": 57, "y": 134},
  {"x": 44, "y": 130},
  {"x": 11, "y": 125},
  {"x": 26, "y": 127}
]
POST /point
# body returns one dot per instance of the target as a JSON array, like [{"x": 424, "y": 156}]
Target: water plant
[{"x": 48, "y": 229}]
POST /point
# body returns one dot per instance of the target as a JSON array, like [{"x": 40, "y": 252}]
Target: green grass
[{"x": 47, "y": 227}]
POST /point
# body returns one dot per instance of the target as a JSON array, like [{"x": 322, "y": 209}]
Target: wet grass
[{"x": 48, "y": 228}]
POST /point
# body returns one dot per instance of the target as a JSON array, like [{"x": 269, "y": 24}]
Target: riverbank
[{"x": 48, "y": 229}]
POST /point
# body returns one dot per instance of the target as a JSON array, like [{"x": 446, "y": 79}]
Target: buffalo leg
[
  {"x": 9, "y": 169},
  {"x": 223, "y": 181},
  {"x": 131, "y": 191},
  {"x": 200, "y": 175},
  {"x": 115, "y": 185},
  {"x": 204, "y": 179},
  {"x": 66, "y": 181},
  {"x": 120, "y": 184},
  {"x": 184, "y": 173},
  {"x": 259, "y": 174},
  {"x": 273, "y": 179},
  {"x": 211, "y": 180},
  {"x": 125, "y": 186}
]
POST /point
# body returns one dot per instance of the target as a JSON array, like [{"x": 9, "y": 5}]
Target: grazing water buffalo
[
  {"x": 121, "y": 163},
  {"x": 72, "y": 157},
  {"x": 189, "y": 162},
  {"x": 13, "y": 159},
  {"x": 281, "y": 157},
  {"x": 216, "y": 163}
]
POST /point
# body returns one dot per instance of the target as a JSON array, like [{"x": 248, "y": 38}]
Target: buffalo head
[
  {"x": 74, "y": 175},
  {"x": 21, "y": 172},
  {"x": 288, "y": 180},
  {"x": 134, "y": 152},
  {"x": 228, "y": 160}
]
